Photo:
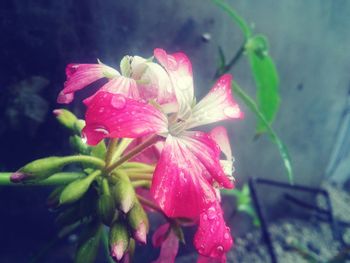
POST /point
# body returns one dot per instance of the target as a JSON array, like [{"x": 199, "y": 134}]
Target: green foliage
[
  {"x": 265, "y": 74},
  {"x": 266, "y": 79}
]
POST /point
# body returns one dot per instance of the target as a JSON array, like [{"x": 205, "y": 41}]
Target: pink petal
[
  {"x": 150, "y": 155},
  {"x": 79, "y": 76},
  {"x": 160, "y": 235},
  {"x": 119, "y": 85},
  {"x": 218, "y": 105},
  {"x": 208, "y": 153},
  {"x": 169, "y": 246},
  {"x": 179, "y": 68},
  {"x": 113, "y": 116},
  {"x": 219, "y": 135},
  {"x": 213, "y": 238},
  {"x": 178, "y": 184},
  {"x": 203, "y": 259}
]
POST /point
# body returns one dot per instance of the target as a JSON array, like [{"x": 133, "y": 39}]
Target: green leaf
[
  {"x": 273, "y": 136},
  {"x": 266, "y": 79}
]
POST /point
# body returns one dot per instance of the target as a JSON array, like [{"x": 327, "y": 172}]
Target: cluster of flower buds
[{"x": 154, "y": 159}]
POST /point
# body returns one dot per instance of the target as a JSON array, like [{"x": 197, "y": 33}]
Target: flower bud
[
  {"x": 138, "y": 222},
  {"x": 38, "y": 170},
  {"x": 88, "y": 244},
  {"x": 76, "y": 189},
  {"x": 78, "y": 145},
  {"x": 66, "y": 118},
  {"x": 123, "y": 191},
  {"x": 118, "y": 240},
  {"x": 106, "y": 208}
]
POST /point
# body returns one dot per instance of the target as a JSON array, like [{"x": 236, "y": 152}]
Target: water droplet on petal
[
  {"x": 211, "y": 213},
  {"x": 231, "y": 112},
  {"x": 220, "y": 249},
  {"x": 205, "y": 217},
  {"x": 101, "y": 130},
  {"x": 118, "y": 102},
  {"x": 226, "y": 235}
]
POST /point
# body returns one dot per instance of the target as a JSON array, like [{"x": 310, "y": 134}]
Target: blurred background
[{"x": 309, "y": 42}]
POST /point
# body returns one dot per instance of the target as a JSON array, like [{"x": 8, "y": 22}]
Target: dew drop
[
  {"x": 220, "y": 249},
  {"x": 205, "y": 217},
  {"x": 118, "y": 102},
  {"x": 101, "y": 130},
  {"x": 211, "y": 213},
  {"x": 231, "y": 112},
  {"x": 226, "y": 236}
]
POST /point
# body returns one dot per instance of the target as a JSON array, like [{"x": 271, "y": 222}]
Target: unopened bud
[
  {"x": 138, "y": 222},
  {"x": 123, "y": 191},
  {"x": 118, "y": 240},
  {"x": 76, "y": 189},
  {"x": 78, "y": 145},
  {"x": 38, "y": 169},
  {"x": 66, "y": 118},
  {"x": 88, "y": 244},
  {"x": 106, "y": 208}
]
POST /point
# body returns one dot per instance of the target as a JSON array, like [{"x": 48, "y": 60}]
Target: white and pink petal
[
  {"x": 178, "y": 184},
  {"x": 179, "y": 68},
  {"x": 217, "y": 105},
  {"x": 81, "y": 75},
  {"x": 205, "y": 149}
]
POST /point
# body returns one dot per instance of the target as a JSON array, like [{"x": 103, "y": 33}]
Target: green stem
[
  {"x": 140, "y": 177},
  {"x": 123, "y": 144},
  {"x": 55, "y": 179},
  {"x": 143, "y": 183},
  {"x": 105, "y": 187},
  {"x": 110, "y": 150},
  {"x": 148, "y": 203},
  {"x": 246, "y": 30},
  {"x": 137, "y": 150},
  {"x": 281, "y": 147}
]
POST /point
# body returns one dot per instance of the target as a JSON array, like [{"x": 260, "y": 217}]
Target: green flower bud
[
  {"x": 78, "y": 145},
  {"x": 138, "y": 222},
  {"x": 106, "y": 208},
  {"x": 118, "y": 240},
  {"x": 123, "y": 191},
  {"x": 78, "y": 126},
  {"x": 88, "y": 244},
  {"x": 66, "y": 118},
  {"x": 76, "y": 189},
  {"x": 38, "y": 170}
]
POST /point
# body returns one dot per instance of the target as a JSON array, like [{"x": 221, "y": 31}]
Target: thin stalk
[
  {"x": 281, "y": 147},
  {"x": 135, "y": 177},
  {"x": 123, "y": 144},
  {"x": 110, "y": 150},
  {"x": 232, "y": 62},
  {"x": 246, "y": 30},
  {"x": 143, "y": 183},
  {"x": 55, "y": 179},
  {"x": 148, "y": 203},
  {"x": 137, "y": 150}
]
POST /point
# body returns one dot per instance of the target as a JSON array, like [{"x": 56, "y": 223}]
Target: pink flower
[
  {"x": 189, "y": 164},
  {"x": 168, "y": 242},
  {"x": 138, "y": 78}
]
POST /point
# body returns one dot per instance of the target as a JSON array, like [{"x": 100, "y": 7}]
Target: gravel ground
[{"x": 291, "y": 237}]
